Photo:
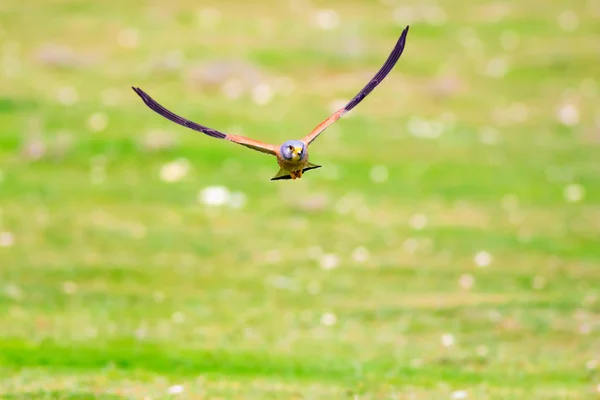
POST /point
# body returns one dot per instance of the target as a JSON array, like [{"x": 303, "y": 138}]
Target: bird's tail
[{"x": 284, "y": 174}]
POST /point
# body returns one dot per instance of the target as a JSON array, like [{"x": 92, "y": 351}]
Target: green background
[{"x": 360, "y": 280}]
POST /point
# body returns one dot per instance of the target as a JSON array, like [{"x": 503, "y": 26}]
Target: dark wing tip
[
  {"x": 393, "y": 57},
  {"x": 140, "y": 93},
  {"x": 159, "y": 109}
]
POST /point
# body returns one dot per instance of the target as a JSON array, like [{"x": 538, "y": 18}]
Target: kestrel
[{"x": 292, "y": 155}]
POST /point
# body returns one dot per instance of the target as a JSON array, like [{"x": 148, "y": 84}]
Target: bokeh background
[{"x": 449, "y": 248}]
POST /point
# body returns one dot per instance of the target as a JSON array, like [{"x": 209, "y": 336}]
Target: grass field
[{"x": 448, "y": 248}]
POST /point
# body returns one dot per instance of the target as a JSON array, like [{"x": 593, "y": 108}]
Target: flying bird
[{"x": 292, "y": 155}]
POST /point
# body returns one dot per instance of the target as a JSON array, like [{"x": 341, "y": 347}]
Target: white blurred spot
[
  {"x": 510, "y": 202},
  {"x": 273, "y": 256},
  {"x": 67, "y": 96},
  {"x": 344, "y": 206},
  {"x": 524, "y": 235},
  {"x": 327, "y": 20},
  {"x": 410, "y": 246},
  {"x": 110, "y": 97},
  {"x": 585, "y": 329},
  {"x": 328, "y": 319},
  {"x": 141, "y": 333},
  {"x": 157, "y": 140},
  {"x": 538, "y": 282},
  {"x": 416, "y": 363},
  {"x": 466, "y": 281},
  {"x": 262, "y": 94},
  {"x": 332, "y": 172},
  {"x": 494, "y": 315},
  {"x": 214, "y": 196},
  {"x": 233, "y": 88},
  {"x": 283, "y": 282},
  {"x": 14, "y": 292},
  {"x": 91, "y": 332},
  {"x": 50, "y": 54},
  {"x": 329, "y": 261},
  {"x": 267, "y": 27},
  {"x": 418, "y": 221},
  {"x": 481, "y": 351},
  {"x": 175, "y": 170},
  {"x": 209, "y": 17},
  {"x": 598, "y": 388},
  {"x": 574, "y": 193},
  {"x": 363, "y": 213},
  {"x": 589, "y": 87},
  {"x": 591, "y": 364},
  {"x": 237, "y": 200},
  {"x": 313, "y": 288},
  {"x": 360, "y": 254},
  {"x": 568, "y": 20},
  {"x": 459, "y": 394},
  {"x": 425, "y": 129},
  {"x": 137, "y": 231},
  {"x": 518, "y": 112},
  {"x": 175, "y": 389},
  {"x": 314, "y": 252},
  {"x": 111, "y": 327},
  {"x": 447, "y": 340},
  {"x": 489, "y": 136},
  {"x": 98, "y": 170},
  {"x": 158, "y": 297},
  {"x": 34, "y": 148},
  {"x": 568, "y": 114},
  {"x": 337, "y": 104},
  {"x": 497, "y": 11},
  {"x": 98, "y": 122},
  {"x": 509, "y": 40},
  {"x": 434, "y": 15},
  {"x": 128, "y": 38},
  {"x": 285, "y": 85},
  {"x": 173, "y": 60},
  {"x": 299, "y": 5},
  {"x": 7, "y": 239},
  {"x": 403, "y": 14},
  {"x": 469, "y": 39},
  {"x": 496, "y": 68},
  {"x": 590, "y": 299},
  {"x": 178, "y": 317},
  {"x": 482, "y": 259},
  {"x": 379, "y": 173},
  {"x": 69, "y": 287}
]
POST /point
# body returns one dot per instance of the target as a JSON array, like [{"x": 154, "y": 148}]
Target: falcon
[{"x": 292, "y": 155}]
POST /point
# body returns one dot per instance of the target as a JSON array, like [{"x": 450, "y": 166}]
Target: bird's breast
[{"x": 293, "y": 165}]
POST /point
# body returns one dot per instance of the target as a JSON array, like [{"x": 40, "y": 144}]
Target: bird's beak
[{"x": 297, "y": 150}]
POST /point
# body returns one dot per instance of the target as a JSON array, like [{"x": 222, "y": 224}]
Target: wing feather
[
  {"x": 376, "y": 80},
  {"x": 244, "y": 141}
]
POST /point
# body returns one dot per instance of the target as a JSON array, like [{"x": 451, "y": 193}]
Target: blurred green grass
[{"x": 358, "y": 281}]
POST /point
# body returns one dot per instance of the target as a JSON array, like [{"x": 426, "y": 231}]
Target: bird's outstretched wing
[
  {"x": 376, "y": 80},
  {"x": 244, "y": 141}
]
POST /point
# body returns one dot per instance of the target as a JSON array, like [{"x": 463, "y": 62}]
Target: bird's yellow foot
[{"x": 299, "y": 174}]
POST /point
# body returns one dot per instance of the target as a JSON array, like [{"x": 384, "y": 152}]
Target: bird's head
[{"x": 292, "y": 150}]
